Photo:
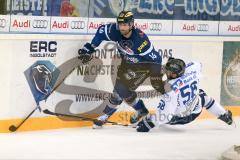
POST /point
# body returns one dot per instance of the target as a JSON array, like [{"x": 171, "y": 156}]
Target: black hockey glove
[
  {"x": 156, "y": 77},
  {"x": 157, "y": 84},
  {"x": 145, "y": 125},
  {"x": 85, "y": 54}
]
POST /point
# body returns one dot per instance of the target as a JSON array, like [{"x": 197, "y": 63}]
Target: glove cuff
[{"x": 89, "y": 48}]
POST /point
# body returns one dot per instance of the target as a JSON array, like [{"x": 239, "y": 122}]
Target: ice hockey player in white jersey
[{"x": 184, "y": 101}]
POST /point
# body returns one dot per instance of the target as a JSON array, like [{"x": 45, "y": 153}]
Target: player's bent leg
[
  {"x": 130, "y": 97},
  {"x": 139, "y": 106},
  {"x": 108, "y": 111},
  {"x": 215, "y": 108},
  {"x": 177, "y": 120}
]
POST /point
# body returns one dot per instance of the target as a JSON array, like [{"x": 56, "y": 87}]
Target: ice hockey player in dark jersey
[{"x": 139, "y": 61}]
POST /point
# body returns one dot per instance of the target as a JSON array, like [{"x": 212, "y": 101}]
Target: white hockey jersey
[{"x": 182, "y": 100}]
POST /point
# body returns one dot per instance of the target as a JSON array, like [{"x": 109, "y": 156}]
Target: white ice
[{"x": 202, "y": 139}]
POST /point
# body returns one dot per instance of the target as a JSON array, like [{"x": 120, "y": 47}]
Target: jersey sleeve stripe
[
  {"x": 147, "y": 51},
  {"x": 105, "y": 30}
]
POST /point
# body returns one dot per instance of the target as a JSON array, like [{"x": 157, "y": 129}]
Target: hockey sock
[{"x": 215, "y": 108}]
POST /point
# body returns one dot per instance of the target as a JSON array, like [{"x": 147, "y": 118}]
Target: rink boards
[{"x": 86, "y": 89}]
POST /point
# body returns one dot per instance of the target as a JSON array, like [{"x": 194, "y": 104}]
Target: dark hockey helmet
[
  {"x": 125, "y": 17},
  {"x": 176, "y": 66}
]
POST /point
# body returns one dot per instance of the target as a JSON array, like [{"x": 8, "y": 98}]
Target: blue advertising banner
[
  {"x": 29, "y": 7},
  {"x": 142, "y": 9},
  {"x": 66, "y": 8},
  {"x": 197, "y": 10},
  {"x": 212, "y": 10},
  {"x": 230, "y": 10}
]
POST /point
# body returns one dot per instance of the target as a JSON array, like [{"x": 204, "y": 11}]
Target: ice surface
[{"x": 202, "y": 139}]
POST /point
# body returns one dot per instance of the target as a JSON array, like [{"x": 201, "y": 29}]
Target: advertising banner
[
  {"x": 230, "y": 10},
  {"x": 69, "y": 8},
  {"x": 31, "y": 24},
  {"x": 4, "y": 23},
  {"x": 186, "y": 27},
  {"x": 229, "y": 28},
  {"x": 207, "y": 10},
  {"x": 230, "y": 95},
  {"x": 158, "y": 17},
  {"x": 95, "y": 23},
  {"x": 69, "y": 25},
  {"x": 154, "y": 27},
  {"x": 30, "y": 7},
  {"x": 42, "y": 64},
  {"x": 66, "y": 8},
  {"x": 143, "y": 9}
]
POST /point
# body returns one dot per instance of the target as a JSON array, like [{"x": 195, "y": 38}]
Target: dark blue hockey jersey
[
  {"x": 137, "y": 52},
  {"x": 135, "y": 49}
]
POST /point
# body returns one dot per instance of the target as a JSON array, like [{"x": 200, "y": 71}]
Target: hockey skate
[
  {"x": 138, "y": 115},
  {"x": 100, "y": 121},
  {"x": 227, "y": 117}
]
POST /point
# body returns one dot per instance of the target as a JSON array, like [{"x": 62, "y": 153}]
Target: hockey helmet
[
  {"x": 125, "y": 17},
  {"x": 175, "y": 66}
]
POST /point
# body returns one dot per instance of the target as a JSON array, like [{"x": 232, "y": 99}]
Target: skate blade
[
  {"x": 234, "y": 124},
  {"x": 97, "y": 127},
  {"x": 134, "y": 125}
]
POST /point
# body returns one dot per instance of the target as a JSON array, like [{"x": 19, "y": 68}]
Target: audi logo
[
  {"x": 202, "y": 27},
  {"x": 77, "y": 24},
  {"x": 155, "y": 26},
  {"x": 40, "y": 24},
  {"x": 3, "y": 23}
]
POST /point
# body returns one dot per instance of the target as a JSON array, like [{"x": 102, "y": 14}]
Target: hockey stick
[
  {"x": 13, "y": 128},
  {"x": 46, "y": 111}
]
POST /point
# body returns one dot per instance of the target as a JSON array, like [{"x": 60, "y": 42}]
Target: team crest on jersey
[
  {"x": 126, "y": 47},
  {"x": 41, "y": 77},
  {"x": 176, "y": 85}
]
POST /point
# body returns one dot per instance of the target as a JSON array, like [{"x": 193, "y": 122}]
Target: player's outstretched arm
[{"x": 102, "y": 34}]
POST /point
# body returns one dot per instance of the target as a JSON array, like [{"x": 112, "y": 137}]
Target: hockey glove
[
  {"x": 157, "y": 84},
  {"x": 85, "y": 54},
  {"x": 145, "y": 125}
]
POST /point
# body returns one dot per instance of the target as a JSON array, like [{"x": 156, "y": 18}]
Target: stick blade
[
  {"x": 12, "y": 128},
  {"x": 46, "y": 111}
]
